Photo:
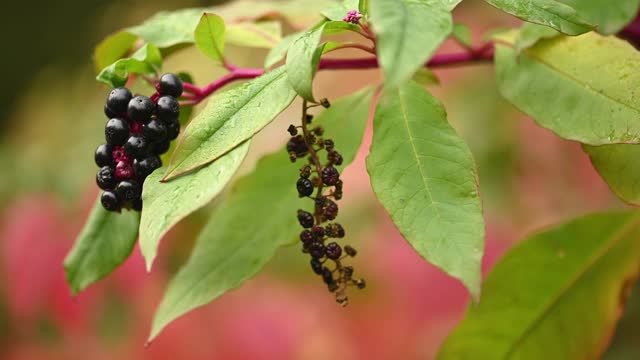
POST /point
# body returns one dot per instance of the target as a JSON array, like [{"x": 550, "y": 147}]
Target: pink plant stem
[{"x": 481, "y": 54}]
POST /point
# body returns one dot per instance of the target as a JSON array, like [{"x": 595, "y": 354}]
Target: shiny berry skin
[
  {"x": 110, "y": 113},
  {"x": 128, "y": 190},
  {"x": 316, "y": 265},
  {"x": 331, "y": 211},
  {"x": 146, "y": 166},
  {"x": 109, "y": 201},
  {"x": 104, "y": 155},
  {"x": 154, "y": 131},
  {"x": 173, "y": 129},
  {"x": 305, "y": 219},
  {"x": 316, "y": 249},
  {"x": 124, "y": 170},
  {"x": 333, "y": 251},
  {"x": 171, "y": 85},
  {"x": 161, "y": 147},
  {"x": 106, "y": 178},
  {"x": 350, "y": 251},
  {"x": 327, "y": 276},
  {"x": 118, "y": 100},
  {"x": 306, "y": 236},
  {"x": 305, "y": 187},
  {"x": 167, "y": 108},
  {"x": 330, "y": 175},
  {"x": 116, "y": 132},
  {"x": 140, "y": 108},
  {"x": 136, "y": 204},
  {"x": 136, "y": 146}
]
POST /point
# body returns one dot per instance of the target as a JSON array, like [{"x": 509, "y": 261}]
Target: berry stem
[{"x": 314, "y": 158}]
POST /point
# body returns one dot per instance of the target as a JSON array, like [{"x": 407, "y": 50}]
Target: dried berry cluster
[
  {"x": 319, "y": 227},
  {"x": 138, "y": 131}
]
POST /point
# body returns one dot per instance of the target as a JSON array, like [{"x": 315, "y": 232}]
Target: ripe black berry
[
  {"x": 106, "y": 178},
  {"x": 136, "y": 146},
  {"x": 116, "y": 132},
  {"x": 306, "y": 236},
  {"x": 110, "y": 113},
  {"x": 110, "y": 201},
  {"x": 104, "y": 155},
  {"x": 173, "y": 129},
  {"x": 331, "y": 211},
  {"x": 316, "y": 265},
  {"x": 146, "y": 166},
  {"x": 140, "y": 108},
  {"x": 305, "y": 219},
  {"x": 136, "y": 204},
  {"x": 333, "y": 251},
  {"x": 305, "y": 187},
  {"x": 161, "y": 147},
  {"x": 118, "y": 100},
  {"x": 128, "y": 190},
  {"x": 350, "y": 251},
  {"x": 168, "y": 108},
  {"x": 154, "y": 131},
  {"x": 316, "y": 249},
  {"x": 171, "y": 85},
  {"x": 327, "y": 276},
  {"x": 318, "y": 231},
  {"x": 330, "y": 175}
]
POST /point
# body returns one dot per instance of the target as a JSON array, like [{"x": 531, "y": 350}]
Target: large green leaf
[
  {"x": 424, "y": 175},
  {"x": 619, "y": 167},
  {"x": 610, "y": 16},
  {"x": 105, "y": 242},
  {"x": 279, "y": 51},
  {"x": 210, "y": 35},
  {"x": 169, "y": 28},
  {"x": 165, "y": 204},
  {"x": 591, "y": 100},
  {"x": 409, "y": 32},
  {"x": 113, "y": 48},
  {"x": 145, "y": 61},
  {"x": 256, "y": 219},
  {"x": 557, "y": 295},
  {"x": 530, "y": 34},
  {"x": 263, "y": 34},
  {"x": 229, "y": 119},
  {"x": 546, "y": 12}
]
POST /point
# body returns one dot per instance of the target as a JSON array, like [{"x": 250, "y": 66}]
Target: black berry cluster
[
  {"x": 139, "y": 130},
  {"x": 321, "y": 182}
]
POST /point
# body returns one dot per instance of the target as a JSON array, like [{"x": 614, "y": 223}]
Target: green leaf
[
  {"x": 591, "y": 100},
  {"x": 165, "y": 204},
  {"x": 409, "y": 32},
  {"x": 546, "y": 12},
  {"x": 209, "y": 36},
  {"x": 530, "y": 34},
  {"x": 112, "y": 48},
  {"x": 426, "y": 77},
  {"x": 610, "y": 16},
  {"x": 263, "y": 34},
  {"x": 557, "y": 295},
  {"x": 280, "y": 50},
  {"x": 449, "y": 4},
  {"x": 256, "y": 219},
  {"x": 145, "y": 61},
  {"x": 302, "y": 61},
  {"x": 424, "y": 175},
  {"x": 618, "y": 166},
  {"x": 462, "y": 34},
  {"x": 105, "y": 242},
  {"x": 338, "y": 11},
  {"x": 169, "y": 28},
  {"x": 363, "y": 7},
  {"x": 229, "y": 119}
]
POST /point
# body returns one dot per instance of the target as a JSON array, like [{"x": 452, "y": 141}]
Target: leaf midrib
[{"x": 617, "y": 237}]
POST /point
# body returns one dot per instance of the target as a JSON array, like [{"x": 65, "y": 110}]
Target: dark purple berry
[
  {"x": 316, "y": 249},
  {"x": 136, "y": 204},
  {"x": 140, "y": 109},
  {"x": 306, "y": 236},
  {"x": 293, "y": 131},
  {"x": 173, "y": 129},
  {"x": 350, "y": 251},
  {"x": 316, "y": 265},
  {"x": 161, "y": 147},
  {"x": 335, "y": 157},
  {"x": 154, "y": 131},
  {"x": 104, "y": 155},
  {"x": 118, "y": 100},
  {"x": 333, "y": 251},
  {"x": 305, "y": 219},
  {"x": 116, "y": 132},
  {"x": 136, "y": 146},
  {"x": 167, "y": 108},
  {"x": 318, "y": 231},
  {"x": 128, "y": 190},
  {"x": 171, "y": 85},
  {"x": 330, "y": 175},
  {"x": 146, "y": 166},
  {"x": 331, "y": 211},
  {"x": 106, "y": 178},
  {"x": 327, "y": 276},
  {"x": 305, "y": 187},
  {"x": 109, "y": 201}
]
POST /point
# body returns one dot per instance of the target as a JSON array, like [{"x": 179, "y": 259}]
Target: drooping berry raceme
[
  {"x": 323, "y": 179},
  {"x": 139, "y": 130}
]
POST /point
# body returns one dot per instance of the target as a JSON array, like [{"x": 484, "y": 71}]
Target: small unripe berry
[
  {"x": 109, "y": 201},
  {"x": 350, "y": 251},
  {"x": 140, "y": 109},
  {"x": 361, "y": 284},
  {"x": 330, "y": 175},
  {"x": 106, "y": 178},
  {"x": 305, "y": 187},
  {"x": 293, "y": 131},
  {"x": 128, "y": 190},
  {"x": 333, "y": 251},
  {"x": 171, "y": 85},
  {"x": 104, "y": 155},
  {"x": 168, "y": 108},
  {"x": 136, "y": 146},
  {"x": 305, "y": 219},
  {"x": 348, "y": 271},
  {"x": 118, "y": 100},
  {"x": 116, "y": 132}
]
